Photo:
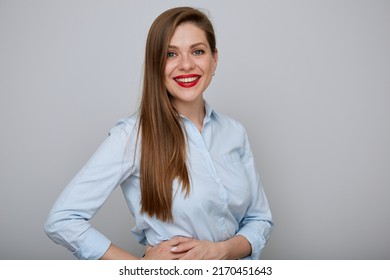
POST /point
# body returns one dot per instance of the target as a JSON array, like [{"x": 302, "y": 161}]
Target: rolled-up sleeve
[
  {"x": 68, "y": 222},
  {"x": 257, "y": 224}
]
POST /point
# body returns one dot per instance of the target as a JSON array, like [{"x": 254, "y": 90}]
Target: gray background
[{"x": 309, "y": 80}]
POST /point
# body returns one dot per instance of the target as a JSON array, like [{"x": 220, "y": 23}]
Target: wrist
[
  {"x": 234, "y": 248},
  {"x": 224, "y": 250}
]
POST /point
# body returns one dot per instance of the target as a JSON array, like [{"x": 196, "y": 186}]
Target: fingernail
[{"x": 173, "y": 249}]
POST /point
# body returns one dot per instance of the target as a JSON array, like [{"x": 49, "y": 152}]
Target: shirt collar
[{"x": 210, "y": 111}]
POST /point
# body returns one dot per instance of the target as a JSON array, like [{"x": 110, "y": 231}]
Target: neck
[{"x": 195, "y": 112}]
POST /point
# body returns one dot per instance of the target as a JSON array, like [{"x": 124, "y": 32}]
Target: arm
[
  {"x": 254, "y": 224},
  {"x": 160, "y": 252},
  {"x": 257, "y": 223},
  {"x": 68, "y": 221},
  {"x": 236, "y": 247},
  {"x": 116, "y": 253}
]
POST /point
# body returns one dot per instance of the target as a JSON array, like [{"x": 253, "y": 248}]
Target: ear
[{"x": 215, "y": 56}]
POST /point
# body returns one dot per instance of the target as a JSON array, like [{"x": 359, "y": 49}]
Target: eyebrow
[{"x": 191, "y": 47}]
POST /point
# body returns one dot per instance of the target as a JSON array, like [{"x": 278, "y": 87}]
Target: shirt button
[{"x": 218, "y": 180}]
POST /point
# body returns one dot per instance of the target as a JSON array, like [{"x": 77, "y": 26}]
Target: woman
[{"x": 186, "y": 171}]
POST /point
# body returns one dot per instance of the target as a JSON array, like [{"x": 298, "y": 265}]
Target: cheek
[
  {"x": 168, "y": 78},
  {"x": 209, "y": 66},
  {"x": 169, "y": 67}
]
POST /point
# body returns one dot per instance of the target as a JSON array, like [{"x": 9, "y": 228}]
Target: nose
[{"x": 185, "y": 63}]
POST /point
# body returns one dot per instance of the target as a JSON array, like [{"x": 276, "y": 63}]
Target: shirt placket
[{"x": 223, "y": 198}]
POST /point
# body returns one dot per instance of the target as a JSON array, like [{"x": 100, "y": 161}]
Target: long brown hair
[{"x": 163, "y": 142}]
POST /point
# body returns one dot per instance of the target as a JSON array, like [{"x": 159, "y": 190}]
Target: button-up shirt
[{"x": 226, "y": 195}]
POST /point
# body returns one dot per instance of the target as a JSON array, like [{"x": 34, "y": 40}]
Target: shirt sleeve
[
  {"x": 257, "y": 224},
  {"x": 68, "y": 221}
]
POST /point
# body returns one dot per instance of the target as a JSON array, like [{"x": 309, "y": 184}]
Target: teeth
[{"x": 187, "y": 80}]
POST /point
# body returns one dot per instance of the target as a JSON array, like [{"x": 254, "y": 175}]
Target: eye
[
  {"x": 171, "y": 54},
  {"x": 198, "y": 52}
]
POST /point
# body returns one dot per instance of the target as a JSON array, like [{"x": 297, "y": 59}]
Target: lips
[{"x": 187, "y": 81}]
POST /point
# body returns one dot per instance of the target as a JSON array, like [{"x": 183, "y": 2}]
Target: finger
[
  {"x": 178, "y": 240},
  {"x": 184, "y": 246},
  {"x": 148, "y": 247},
  {"x": 188, "y": 256},
  {"x": 162, "y": 255}
]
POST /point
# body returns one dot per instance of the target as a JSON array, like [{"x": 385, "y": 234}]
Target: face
[{"x": 190, "y": 66}]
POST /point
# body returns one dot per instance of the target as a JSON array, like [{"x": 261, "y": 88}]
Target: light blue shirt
[{"x": 226, "y": 196}]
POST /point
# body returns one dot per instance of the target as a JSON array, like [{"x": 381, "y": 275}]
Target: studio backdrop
[{"x": 310, "y": 81}]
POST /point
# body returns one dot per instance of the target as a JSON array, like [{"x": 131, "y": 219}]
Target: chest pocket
[{"x": 234, "y": 171}]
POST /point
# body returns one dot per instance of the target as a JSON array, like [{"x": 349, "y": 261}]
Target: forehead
[{"x": 187, "y": 34}]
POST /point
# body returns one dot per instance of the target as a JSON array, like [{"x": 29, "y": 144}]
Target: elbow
[
  {"x": 59, "y": 231},
  {"x": 49, "y": 227},
  {"x": 54, "y": 227}
]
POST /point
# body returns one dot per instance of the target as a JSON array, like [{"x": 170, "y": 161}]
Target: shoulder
[
  {"x": 127, "y": 125},
  {"x": 229, "y": 124},
  {"x": 124, "y": 132},
  {"x": 229, "y": 132}
]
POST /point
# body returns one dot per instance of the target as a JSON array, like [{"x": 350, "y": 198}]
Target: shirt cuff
[
  {"x": 94, "y": 246},
  {"x": 257, "y": 236}
]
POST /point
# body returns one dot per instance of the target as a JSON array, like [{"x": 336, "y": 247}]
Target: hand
[
  {"x": 163, "y": 251},
  {"x": 234, "y": 248},
  {"x": 192, "y": 249}
]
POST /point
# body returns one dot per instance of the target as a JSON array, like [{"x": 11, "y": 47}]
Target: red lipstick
[{"x": 187, "y": 81}]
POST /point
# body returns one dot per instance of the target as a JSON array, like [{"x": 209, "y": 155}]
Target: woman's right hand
[{"x": 163, "y": 251}]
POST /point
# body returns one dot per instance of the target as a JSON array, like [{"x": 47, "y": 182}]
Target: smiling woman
[
  {"x": 187, "y": 172},
  {"x": 188, "y": 71}
]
